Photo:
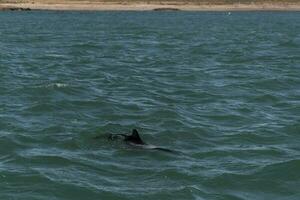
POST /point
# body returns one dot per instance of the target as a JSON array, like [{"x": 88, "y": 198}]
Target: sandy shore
[{"x": 99, "y": 6}]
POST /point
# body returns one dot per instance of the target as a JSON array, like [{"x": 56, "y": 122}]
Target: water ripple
[{"x": 223, "y": 90}]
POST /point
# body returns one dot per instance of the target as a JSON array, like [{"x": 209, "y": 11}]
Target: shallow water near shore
[{"x": 223, "y": 89}]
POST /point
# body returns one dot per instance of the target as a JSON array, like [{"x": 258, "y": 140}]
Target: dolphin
[{"x": 135, "y": 140}]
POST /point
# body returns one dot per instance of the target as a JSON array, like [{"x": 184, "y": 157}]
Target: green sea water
[{"x": 223, "y": 89}]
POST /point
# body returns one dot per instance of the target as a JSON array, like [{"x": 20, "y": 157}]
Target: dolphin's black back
[{"x": 135, "y": 138}]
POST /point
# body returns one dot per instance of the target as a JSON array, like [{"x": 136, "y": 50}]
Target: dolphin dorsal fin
[
  {"x": 136, "y": 137},
  {"x": 135, "y": 134}
]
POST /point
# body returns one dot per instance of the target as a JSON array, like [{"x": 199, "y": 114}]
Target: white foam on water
[
  {"x": 53, "y": 85},
  {"x": 60, "y": 85}
]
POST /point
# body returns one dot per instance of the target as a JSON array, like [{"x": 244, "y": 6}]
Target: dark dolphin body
[{"x": 135, "y": 139}]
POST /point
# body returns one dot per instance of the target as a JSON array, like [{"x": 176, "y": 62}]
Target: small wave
[
  {"x": 284, "y": 170},
  {"x": 52, "y": 85},
  {"x": 55, "y": 55},
  {"x": 5, "y": 159},
  {"x": 56, "y": 85}
]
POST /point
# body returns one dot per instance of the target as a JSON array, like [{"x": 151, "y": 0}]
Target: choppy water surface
[{"x": 224, "y": 90}]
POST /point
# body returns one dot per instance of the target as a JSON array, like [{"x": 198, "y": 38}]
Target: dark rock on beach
[
  {"x": 15, "y": 9},
  {"x": 166, "y": 9}
]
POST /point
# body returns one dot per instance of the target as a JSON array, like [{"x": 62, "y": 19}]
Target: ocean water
[{"x": 222, "y": 90}]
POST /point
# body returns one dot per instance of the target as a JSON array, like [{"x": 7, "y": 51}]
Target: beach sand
[{"x": 143, "y": 6}]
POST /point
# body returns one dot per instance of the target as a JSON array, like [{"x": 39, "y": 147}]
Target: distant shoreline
[{"x": 142, "y": 6}]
